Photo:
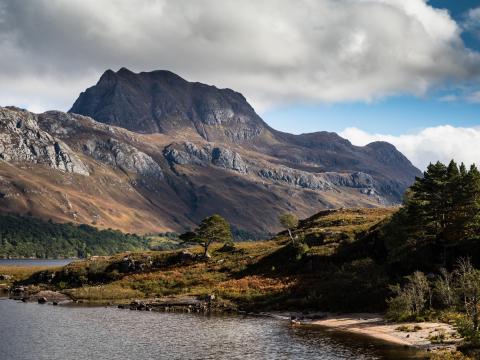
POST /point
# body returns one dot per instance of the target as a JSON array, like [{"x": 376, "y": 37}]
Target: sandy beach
[{"x": 374, "y": 325}]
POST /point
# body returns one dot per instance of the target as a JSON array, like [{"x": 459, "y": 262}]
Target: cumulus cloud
[
  {"x": 274, "y": 51},
  {"x": 440, "y": 143}
]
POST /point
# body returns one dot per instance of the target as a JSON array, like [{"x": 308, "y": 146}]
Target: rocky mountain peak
[{"x": 163, "y": 102}]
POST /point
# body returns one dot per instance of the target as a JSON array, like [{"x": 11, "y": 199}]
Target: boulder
[
  {"x": 137, "y": 305},
  {"x": 42, "y": 300}
]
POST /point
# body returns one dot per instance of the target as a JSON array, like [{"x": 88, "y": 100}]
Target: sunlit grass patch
[{"x": 104, "y": 292}]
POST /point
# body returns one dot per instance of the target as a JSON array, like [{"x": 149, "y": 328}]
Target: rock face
[
  {"x": 188, "y": 153},
  {"x": 162, "y": 153},
  {"x": 22, "y": 140},
  {"x": 161, "y": 101},
  {"x": 123, "y": 156}
]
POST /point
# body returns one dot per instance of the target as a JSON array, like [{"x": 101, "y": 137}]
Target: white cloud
[
  {"x": 273, "y": 51},
  {"x": 472, "y": 21},
  {"x": 440, "y": 143}
]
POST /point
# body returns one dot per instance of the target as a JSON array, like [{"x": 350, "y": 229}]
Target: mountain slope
[
  {"x": 162, "y": 102},
  {"x": 202, "y": 151}
]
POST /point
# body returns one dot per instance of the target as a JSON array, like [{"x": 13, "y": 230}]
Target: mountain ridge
[{"x": 216, "y": 156}]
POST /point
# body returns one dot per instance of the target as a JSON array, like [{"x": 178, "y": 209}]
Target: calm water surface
[
  {"x": 32, "y": 331},
  {"x": 34, "y": 262}
]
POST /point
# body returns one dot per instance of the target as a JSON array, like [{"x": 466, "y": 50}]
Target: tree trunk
[
  {"x": 205, "y": 250},
  {"x": 291, "y": 236},
  {"x": 475, "y": 312}
]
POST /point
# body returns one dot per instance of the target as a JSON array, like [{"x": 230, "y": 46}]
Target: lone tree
[
  {"x": 212, "y": 229},
  {"x": 289, "y": 221}
]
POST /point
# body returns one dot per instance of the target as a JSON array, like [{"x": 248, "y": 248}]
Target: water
[
  {"x": 45, "y": 332},
  {"x": 34, "y": 262}
]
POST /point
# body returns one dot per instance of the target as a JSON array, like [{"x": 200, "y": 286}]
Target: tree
[
  {"x": 289, "y": 221},
  {"x": 441, "y": 212},
  {"x": 468, "y": 282},
  {"x": 212, "y": 229},
  {"x": 411, "y": 298},
  {"x": 444, "y": 288}
]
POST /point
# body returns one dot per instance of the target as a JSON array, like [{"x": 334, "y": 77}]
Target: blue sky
[{"x": 396, "y": 115}]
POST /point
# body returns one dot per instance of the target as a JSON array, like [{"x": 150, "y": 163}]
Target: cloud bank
[
  {"x": 273, "y": 51},
  {"x": 440, "y": 143}
]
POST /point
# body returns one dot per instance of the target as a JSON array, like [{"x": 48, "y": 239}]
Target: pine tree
[
  {"x": 471, "y": 210},
  {"x": 212, "y": 229}
]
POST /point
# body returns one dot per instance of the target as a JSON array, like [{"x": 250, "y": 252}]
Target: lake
[
  {"x": 35, "y": 262},
  {"x": 45, "y": 332}
]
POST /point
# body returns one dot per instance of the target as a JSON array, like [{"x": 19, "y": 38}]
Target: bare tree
[
  {"x": 290, "y": 222},
  {"x": 444, "y": 288},
  {"x": 468, "y": 285}
]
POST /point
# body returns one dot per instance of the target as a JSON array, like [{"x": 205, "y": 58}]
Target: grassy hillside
[
  {"x": 262, "y": 275},
  {"x": 27, "y": 237}
]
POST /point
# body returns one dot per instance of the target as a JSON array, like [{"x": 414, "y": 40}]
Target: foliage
[
  {"x": 289, "y": 221},
  {"x": 459, "y": 289},
  {"x": 449, "y": 355},
  {"x": 411, "y": 300},
  {"x": 27, "y": 237},
  {"x": 212, "y": 229},
  {"x": 439, "y": 222},
  {"x": 468, "y": 288}
]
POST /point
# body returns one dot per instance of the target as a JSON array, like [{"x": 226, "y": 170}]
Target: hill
[
  {"x": 262, "y": 275},
  {"x": 24, "y": 237}
]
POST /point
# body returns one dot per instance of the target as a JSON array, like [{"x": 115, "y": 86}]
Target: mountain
[
  {"x": 153, "y": 152},
  {"x": 163, "y": 102}
]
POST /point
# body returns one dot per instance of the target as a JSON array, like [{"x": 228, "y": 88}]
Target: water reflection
[
  {"x": 32, "y": 331},
  {"x": 35, "y": 262}
]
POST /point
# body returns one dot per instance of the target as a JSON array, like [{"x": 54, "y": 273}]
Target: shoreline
[
  {"x": 372, "y": 325},
  {"x": 375, "y": 326}
]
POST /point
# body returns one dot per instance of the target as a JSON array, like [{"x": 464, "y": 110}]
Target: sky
[{"x": 403, "y": 71}]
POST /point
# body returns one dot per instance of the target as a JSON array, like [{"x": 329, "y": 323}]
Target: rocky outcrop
[
  {"x": 22, "y": 140},
  {"x": 295, "y": 178},
  {"x": 161, "y": 101},
  {"x": 228, "y": 159},
  {"x": 189, "y": 153},
  {"x": 319, "y": 181},
  {"x": 354, "y": 180},
  {"x": 123, "y": 156}
]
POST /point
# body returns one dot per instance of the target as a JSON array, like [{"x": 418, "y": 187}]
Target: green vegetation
[
  {"x": 439, "y": 223},
  {"x": 27, "y": 237},
  {"x": 289, "y": 221},
  {"x": 260, "y": 275},
  {"x": 212, "y": 229},
  {"x": 438, "y": 232},
  {"x": 164, "y": 241}
]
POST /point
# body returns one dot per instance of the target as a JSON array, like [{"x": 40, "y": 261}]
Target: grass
[
  {"x": 157, "y": 242},
  {"x": 409, "y": 328},
  {"x": 19, "y": 273},
  {"x": 334, "y": 226},
  {"x": 103, "y": 293},
  {"x": 450, "y": 355},
  {"x": 260, "y": 273}
]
